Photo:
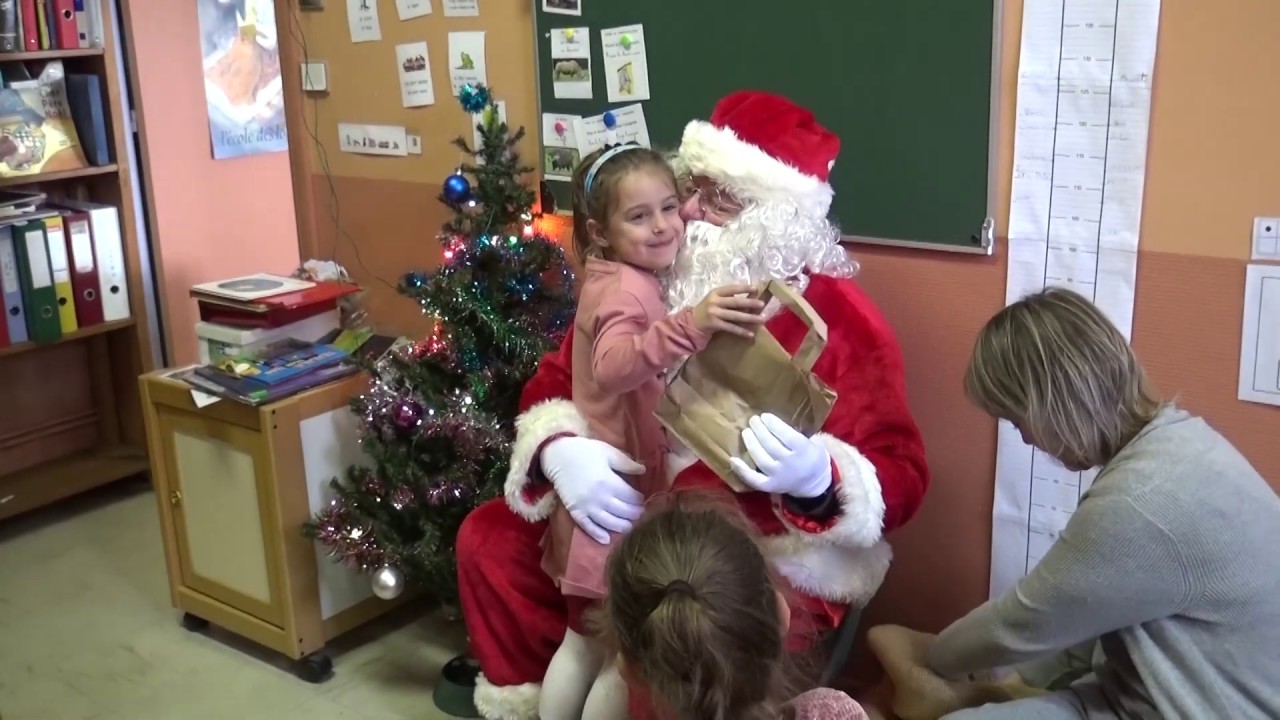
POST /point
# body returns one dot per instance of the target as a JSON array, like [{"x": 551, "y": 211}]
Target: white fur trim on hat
[
  {"x": 748, "y": 172},
  {"x": 512, "y": 702},
  {"x": 533, "y": 427}
]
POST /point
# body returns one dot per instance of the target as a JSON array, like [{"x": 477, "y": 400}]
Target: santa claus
[{"x": 758, "y": 196}]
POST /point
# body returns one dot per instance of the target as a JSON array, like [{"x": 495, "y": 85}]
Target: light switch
[
  {"x": 315, "y": 77},
  {"x": 1266, "y": 238},
  {"x": 415, "y": 144}
]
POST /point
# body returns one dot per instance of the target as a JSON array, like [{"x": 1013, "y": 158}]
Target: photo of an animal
[
  {"x": 559, "y": 161},
  {"x": 571, "y": 70}
]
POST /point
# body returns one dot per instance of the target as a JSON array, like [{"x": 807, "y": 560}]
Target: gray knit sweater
[{"x": 1172, "y": 561}]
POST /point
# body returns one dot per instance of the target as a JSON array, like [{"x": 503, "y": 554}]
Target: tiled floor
[{"x": 87, "y": 633}]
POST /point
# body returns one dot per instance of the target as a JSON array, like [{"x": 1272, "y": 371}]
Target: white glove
[
  {"x": 789, "y": 463},
  {"x": 585, "y": 475}
]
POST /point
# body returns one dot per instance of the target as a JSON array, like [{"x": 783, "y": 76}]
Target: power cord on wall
[{"x": 299, "y": 37}]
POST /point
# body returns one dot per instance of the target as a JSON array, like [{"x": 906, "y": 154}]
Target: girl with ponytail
[{"x": 700, "y": 626}]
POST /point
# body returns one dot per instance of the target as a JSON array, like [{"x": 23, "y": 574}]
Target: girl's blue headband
[{"x": 600, "y": 161}]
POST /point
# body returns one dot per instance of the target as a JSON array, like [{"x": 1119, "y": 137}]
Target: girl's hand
[{"x": 733, "y": 309}]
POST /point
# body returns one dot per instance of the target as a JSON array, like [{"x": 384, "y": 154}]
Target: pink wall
[{"x": 212, "y": 218}]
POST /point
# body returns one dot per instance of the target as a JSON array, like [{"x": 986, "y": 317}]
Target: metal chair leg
[{"x": 839, "y": 646}]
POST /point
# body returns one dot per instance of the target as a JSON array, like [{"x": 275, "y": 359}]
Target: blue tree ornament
[{"x": 457, "y": 188}]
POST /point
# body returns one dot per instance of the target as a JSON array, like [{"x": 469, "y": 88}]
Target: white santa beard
[{"x": 767, "y": 241}]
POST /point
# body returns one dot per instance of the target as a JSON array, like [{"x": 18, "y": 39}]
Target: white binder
[{"x": 113, "y": 277}]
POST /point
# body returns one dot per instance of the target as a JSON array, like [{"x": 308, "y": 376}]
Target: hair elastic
[
  {"x": 600, "y": 161},
  {"x": 680, "y": 586}
]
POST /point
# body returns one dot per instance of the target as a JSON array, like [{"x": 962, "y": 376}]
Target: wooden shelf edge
[
  {"x": 91, "y": 171},
  {"x": 90, "y": 331},
  {"x": 50, "y": 54},
  {"x": 43, "y": 484}
]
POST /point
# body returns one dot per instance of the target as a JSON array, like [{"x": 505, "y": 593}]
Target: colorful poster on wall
[{"x": 242, "y": 86}]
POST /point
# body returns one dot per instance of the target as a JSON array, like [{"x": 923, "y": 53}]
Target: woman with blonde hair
[{"x": 1167, "y": 576}]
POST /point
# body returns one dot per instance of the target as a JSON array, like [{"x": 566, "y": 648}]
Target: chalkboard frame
[{"x": 983, "y": 237}]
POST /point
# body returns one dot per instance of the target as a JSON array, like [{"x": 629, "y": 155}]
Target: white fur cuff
[
  {"x": 533, "y": 427},
  {"x": 830, "y": 572},
  {"x": 861, "y": 521},
  {"x": 513, "y": 702}
]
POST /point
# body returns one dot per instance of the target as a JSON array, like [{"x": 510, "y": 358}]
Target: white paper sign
[
  {"x": 362, "y": 17},
  {"x": 559, "y": 146},
  {"x": 1079, "y": 168},
  {"x": 592, "y": 133},
  {"x": 1260, "y": 338},
  {"x": 390, "y": 140},
  {"x": 461, "y": 8},
  {"x": 626, "y": 66},
  {"x": 466, "y": 59},
  {"x": 410, "y": 9},
  {"x": 571, "y": 63},
  {"x": 414, "y": 66}
]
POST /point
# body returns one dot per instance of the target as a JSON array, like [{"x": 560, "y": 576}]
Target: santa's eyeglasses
[{"x": 711, "y": 197}]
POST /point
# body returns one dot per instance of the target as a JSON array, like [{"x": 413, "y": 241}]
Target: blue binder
[{"x": 11, "y": 287}]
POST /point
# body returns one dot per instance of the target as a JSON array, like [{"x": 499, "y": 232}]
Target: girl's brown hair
[
  {"x": 601, "y": 201},
  {"x": 1055, "y": 366},
  {"x": 693, "y": 611}
]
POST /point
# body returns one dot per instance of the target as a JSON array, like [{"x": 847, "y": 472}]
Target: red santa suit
[{"x": 760, "y": 148}]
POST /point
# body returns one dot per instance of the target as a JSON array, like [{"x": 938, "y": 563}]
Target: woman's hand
[
  {"x": 733, "y": 309},
  {"x": 789, "y": 463}
]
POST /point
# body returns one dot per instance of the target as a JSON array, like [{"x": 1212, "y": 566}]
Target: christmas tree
[{"x": 438, "y": 420}]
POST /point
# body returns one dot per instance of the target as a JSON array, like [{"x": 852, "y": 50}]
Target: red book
[
  {"x": 4, "y": 332},
  {"x": 84, "y": 269},
  {"x": 216, "y": 312},
  {"x": 30, "y": 26},
  {"x": 274, "y": 310},
  {"x": 321, "y": 292},
  {"x": 65, "y": 30}
]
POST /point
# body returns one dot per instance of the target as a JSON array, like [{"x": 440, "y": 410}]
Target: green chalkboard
[{"x": 907, "y": 84}]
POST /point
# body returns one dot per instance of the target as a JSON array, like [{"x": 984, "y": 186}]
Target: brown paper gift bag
[{"x": 713, "y": 395}]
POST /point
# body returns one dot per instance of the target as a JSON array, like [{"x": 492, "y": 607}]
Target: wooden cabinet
[{"x": 234, "y": 485}]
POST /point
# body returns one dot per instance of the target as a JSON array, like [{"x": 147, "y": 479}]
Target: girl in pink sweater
[
  {"x": 699, "y": 625},
  {"x": 626, "y": 228}
]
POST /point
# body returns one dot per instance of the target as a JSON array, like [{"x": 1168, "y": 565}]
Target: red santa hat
[{"x": 763, "y": 147}]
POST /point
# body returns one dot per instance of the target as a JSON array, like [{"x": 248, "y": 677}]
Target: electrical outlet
[
  {"x": 1266, "y": 238},
  {"x": 315, "y": 77}
]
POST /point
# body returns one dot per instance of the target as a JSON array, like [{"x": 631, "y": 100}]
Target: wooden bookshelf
[
  {"x": 69, "y": 475},
  {"x": 42, "y": 178},
  {"x": 72, "y": 417},
  {"x": 51, "y": 54},
  {"x": 80, "y": 334}
]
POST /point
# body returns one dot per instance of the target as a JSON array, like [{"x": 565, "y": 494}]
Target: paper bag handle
[{"x": 815, "y": 341}]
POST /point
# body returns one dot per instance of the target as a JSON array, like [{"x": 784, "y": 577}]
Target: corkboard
[{"x": 385, "y": 207}]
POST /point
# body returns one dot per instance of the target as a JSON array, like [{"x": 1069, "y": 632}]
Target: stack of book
[
  {"x": 276, "y": 371},
  {"x": 242, "y": 315}
]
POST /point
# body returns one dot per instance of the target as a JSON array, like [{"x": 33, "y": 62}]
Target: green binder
[{"x": 36, "y": 277}]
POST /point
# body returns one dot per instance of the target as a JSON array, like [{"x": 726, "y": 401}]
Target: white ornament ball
[{"x": 388, "y": 583}]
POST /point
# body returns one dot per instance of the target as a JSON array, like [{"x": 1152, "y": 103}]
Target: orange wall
[
  {"x": 212, "y": 218},
  {"x": 1213, "y": 165}
]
